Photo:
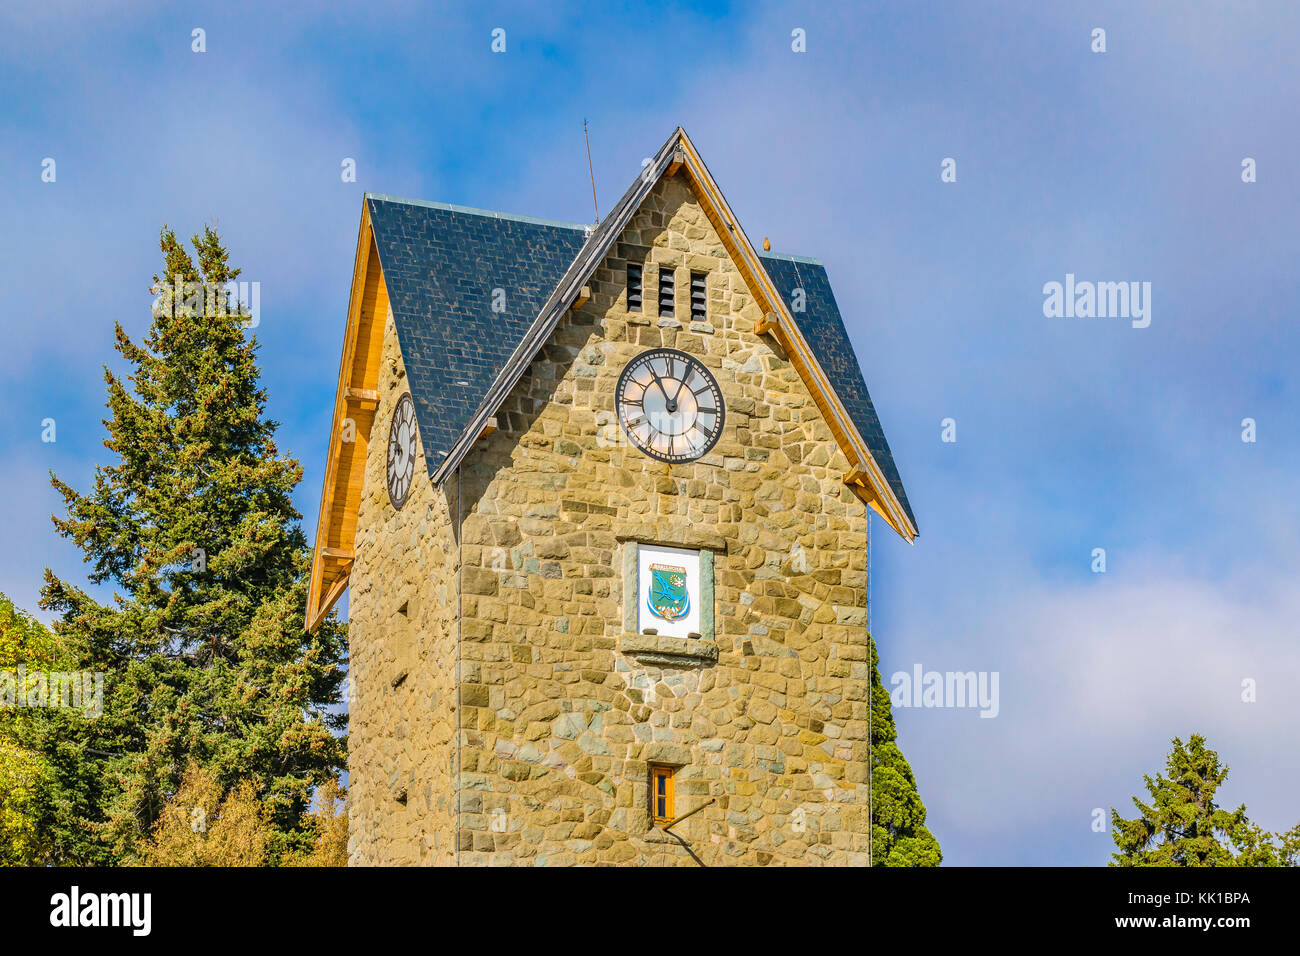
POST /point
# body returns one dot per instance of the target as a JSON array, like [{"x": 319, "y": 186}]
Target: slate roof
[
  {"x": 441, "y": 264},
  {"x": 824, "y": 330}
]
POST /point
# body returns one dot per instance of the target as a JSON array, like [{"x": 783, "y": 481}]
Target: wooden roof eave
[{"x": 331, "y": 566}]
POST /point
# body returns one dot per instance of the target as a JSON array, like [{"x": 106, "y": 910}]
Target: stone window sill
[{"x": 657, "y": 648}]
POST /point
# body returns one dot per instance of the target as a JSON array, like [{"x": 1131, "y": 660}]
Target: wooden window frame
[{"x": 666, "y": 773}]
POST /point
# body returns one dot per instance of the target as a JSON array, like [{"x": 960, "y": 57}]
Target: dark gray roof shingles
[
  {"x": 441, "y": 267},
  {"x": 824, "y": 330}
]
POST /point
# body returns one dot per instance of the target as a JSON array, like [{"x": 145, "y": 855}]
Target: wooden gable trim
[
  {"x": 356, "y": 398},
  {"x": 865, "y": 475}
]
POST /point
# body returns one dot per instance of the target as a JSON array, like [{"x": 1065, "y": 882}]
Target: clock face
[
  {"x": 669, "y": 405},
  {"x": 401, "y": 451}
]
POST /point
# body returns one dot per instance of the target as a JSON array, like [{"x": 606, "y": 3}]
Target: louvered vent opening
[
  {"x": 665, "y": 291},
  {"x": 633, "y": 288},
  {"x": 699, "y": 305}
]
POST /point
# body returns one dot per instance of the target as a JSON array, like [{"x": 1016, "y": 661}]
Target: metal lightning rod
[{"x": 590, "y": 171}]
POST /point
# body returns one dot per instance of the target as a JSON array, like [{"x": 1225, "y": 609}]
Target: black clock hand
[{"x": 672, "y": 402}]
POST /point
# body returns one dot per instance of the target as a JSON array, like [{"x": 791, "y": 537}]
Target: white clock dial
[
  {"x": 401, "y": 451},
  {"x": 669, "y": 405}
]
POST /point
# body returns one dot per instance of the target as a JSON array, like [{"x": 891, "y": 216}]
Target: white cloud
[{"x": 1096, "y": 677}]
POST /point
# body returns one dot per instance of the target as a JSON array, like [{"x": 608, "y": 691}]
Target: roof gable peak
[{"x": 678, "y": 154}]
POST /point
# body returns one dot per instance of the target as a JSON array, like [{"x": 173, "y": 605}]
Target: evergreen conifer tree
[
  {"x": 1183, "y": 826},
  {"x": 202, "y": 645},
  {"x": 898, "y": 833}
]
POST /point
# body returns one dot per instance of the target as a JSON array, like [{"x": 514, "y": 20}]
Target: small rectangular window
[
  {"x": 666, "y": 292},
  {"x": 661, "y": 793},
  {"x": 633, "y": 287},
  {"x": 699, "y": 300}
]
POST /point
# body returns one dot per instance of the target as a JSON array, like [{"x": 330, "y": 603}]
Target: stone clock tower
[{"x": 600, "y": 497}]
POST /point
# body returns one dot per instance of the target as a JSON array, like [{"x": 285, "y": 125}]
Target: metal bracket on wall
[{"x": 690, "y": 813}]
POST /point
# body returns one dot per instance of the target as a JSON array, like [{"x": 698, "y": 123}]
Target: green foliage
[
  {"x": 329, "y": 821},
  {"x": 1183, "y": 826},
  {"x": 203, "y": 647},
  {"x": 50, "y": 782},
  {"x": 24, "y": 775},
  {"x": 898, "y": 833},
  {"x": 23, "y": 639}
]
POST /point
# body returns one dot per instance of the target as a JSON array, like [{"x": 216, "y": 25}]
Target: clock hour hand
[{"x": 672, "y": 402}]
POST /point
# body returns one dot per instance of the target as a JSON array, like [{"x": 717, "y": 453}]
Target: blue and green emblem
[{"x": 667, "y": 598}]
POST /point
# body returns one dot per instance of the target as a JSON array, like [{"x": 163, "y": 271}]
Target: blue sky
[{"x": 1072, "y": 434}]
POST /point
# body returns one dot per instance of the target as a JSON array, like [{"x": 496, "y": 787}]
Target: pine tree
[
  {"x": 1183, "y": 826},
  {"x": 203, "y": 646},
  {"x": 898, "y": 833}
]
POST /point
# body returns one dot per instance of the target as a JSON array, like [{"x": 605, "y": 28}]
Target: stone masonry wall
[
  {"x": 558, "y": 725},
  {"x": 402, "y": 633}
]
